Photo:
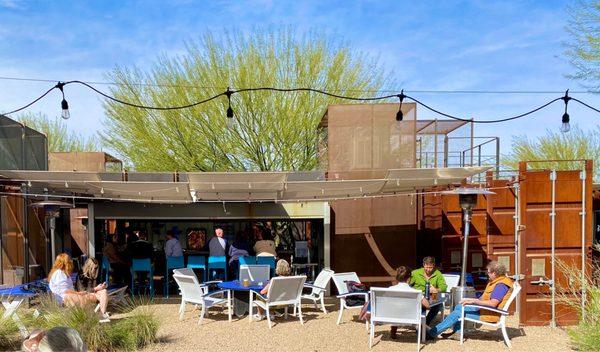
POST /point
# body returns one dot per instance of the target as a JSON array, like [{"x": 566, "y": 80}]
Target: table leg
[
  {"x": 250, "y": 307},
  {"x": 11, "y": 311}
]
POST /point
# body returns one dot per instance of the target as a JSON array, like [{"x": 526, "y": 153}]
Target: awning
[{"x": 232, "y": 186}]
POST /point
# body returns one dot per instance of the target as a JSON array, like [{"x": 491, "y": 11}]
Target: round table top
[{"x": 237, "y": 286}]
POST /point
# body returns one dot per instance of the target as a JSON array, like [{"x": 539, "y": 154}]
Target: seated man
[
  {"x": 496, "y": 294},
  {"x": 428, "y": 273}
]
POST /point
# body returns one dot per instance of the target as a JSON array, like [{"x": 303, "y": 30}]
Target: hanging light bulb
[
  {"x": 565, "y": 126},
  {"x": 65, "y": 114},
  {"x": 399, "y": 114},
  {"x": 230, "y": 119}
]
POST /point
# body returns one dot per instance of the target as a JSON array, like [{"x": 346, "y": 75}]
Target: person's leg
[
  {"x": 471, "y": 313},
  {"x": 449, "y": 321},
  {"x": 102, "y": 298},
  {"x": 393, "y": 331},
  {"x": 433, "y": 312}
]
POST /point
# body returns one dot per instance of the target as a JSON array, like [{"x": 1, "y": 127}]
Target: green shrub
[
  {"x": 136, "y": 328},
  {"x": 585, "y": 336},
  {"x": 10, "y": 338}
]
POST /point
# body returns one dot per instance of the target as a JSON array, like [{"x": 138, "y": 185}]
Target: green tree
[
  {"x": 583, "y": 47},
  {"x": 577, "y": 144},
  {"x": 274, "y": 131},
  {"x": 60, "y": 139}
]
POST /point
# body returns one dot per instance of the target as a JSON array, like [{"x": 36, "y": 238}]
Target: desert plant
[
  {"x": 585, "y": 336},
  {"x": 9, "y": 334},
  {"x": 136, "y": 327}
]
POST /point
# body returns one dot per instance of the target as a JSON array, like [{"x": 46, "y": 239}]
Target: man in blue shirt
[{"x": 172, "y": 246}]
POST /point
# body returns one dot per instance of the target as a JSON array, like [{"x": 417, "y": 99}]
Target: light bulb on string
[
  {"x": 65, "y": 114},
  {"x": 566, "y": 126},
  {"x": 399, "y": 114},
  {"x": 230, "y": 119}
]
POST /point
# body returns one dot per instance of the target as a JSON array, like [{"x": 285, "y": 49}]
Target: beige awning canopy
[{"x": 232, "y": 186}]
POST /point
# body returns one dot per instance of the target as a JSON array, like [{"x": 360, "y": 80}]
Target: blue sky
[{"x": 429, "y": 45}]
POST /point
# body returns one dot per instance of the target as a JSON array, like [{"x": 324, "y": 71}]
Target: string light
[
  {"x": 65, "y": 114},
  {"x": 231, "y": 119},
  {"x": 399, "y": 114},
  {"x": 565, "y": 126}
]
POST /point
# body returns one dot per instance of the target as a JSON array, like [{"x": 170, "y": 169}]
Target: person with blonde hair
[
  {"x": 62, "y": 288},
  {"x": 281, "y": 269}
]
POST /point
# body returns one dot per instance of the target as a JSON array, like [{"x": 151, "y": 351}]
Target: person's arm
[
  {"x": 265, "y": 289},
  {"x": 440, "y": 283},
  {"x": 495, "y": 298},
  {"x": 168, "y": 249}
]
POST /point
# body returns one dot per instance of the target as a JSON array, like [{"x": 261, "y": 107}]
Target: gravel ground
[{"x": 320, "y": 333}]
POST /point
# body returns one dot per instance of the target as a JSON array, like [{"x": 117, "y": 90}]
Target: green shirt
[{"x": 418, "y": 281}]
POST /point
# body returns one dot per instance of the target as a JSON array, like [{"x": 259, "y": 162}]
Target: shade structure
[{"x": 233, "y": 186}]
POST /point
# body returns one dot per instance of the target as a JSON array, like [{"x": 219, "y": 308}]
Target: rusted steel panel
[{"x": 536, "y": 205}]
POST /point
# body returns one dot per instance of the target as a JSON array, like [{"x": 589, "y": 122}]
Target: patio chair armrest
[
  {"x": 215, "y": 292},
  {"x": 350, "y": 294},
  {"x": 496, "y": 310},
  {"x": 308, "y": 285},
  {"x": 259, "y": 295}
]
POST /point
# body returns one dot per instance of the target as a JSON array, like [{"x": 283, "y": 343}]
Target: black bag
[{"x": 355, "y": 287}]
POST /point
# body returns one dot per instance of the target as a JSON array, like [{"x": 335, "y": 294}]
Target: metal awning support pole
[
  {"x": 517, "y": 219},
  {"x": 583, "y": 177},
  {"x": 463, "y": 271},
  {"x": 552, "y": 240},
  {"x": 435, "y": 143}
]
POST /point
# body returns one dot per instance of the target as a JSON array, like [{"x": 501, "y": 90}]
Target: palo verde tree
[
  {"x": 273, "y": 131},
  {"x": 60, "y": 139},
  {"x": 574, "y": 145},
  {"x": 583, "y": 46}
]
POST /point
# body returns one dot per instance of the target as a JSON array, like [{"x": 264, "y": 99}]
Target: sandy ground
[{"x": 321, "y": 333}]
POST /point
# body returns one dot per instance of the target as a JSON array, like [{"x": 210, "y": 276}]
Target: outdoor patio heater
[
  {"x": 51, "y": 213},
  {"x": 467, "y": 198}
]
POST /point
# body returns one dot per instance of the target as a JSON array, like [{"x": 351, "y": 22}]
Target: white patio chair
[
  {"x": 255, "y": 273},
  {"x": 452, "y": 280},
  {"x": 318, "y": 288},
  {"x": 194, "y": 292},
  {"x": 339, "y": 280},
  {"x": 283, "y": 291},
  {"x": 503, "y": 311},
  {"x": 396, "y": 307}
]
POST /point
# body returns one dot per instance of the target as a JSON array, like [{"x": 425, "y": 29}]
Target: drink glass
[
  {"x": 245, "y": 283},
  {"x": 434, "y": 296}
]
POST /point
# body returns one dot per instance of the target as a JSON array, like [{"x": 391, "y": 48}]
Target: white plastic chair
[
  {"x": 318, "y": 288},
  {"x": 503, "y": 311},
  {"x": 194, "y": 292},
  {"x": 255, "y": 273},
  {"x": 339, "y": 280},
  {"x": 396, "y": 307},
  {"x": 283, "y": 291},
  {"x": 452, "y": 280}
]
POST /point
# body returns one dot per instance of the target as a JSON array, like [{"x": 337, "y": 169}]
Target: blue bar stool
[
  {"x": 142, "y": 266},
  {"x": 268, "y": 260},
  {"x": 217, "y": 263},
  {"x": 105, "y": 269},
  {"x": 172, "y": 263},
  {"x": 247, "y": 260},
  {"x": 198, "y": 262}
]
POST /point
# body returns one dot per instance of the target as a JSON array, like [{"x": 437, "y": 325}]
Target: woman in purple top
[{"x": 239, "y": 248}]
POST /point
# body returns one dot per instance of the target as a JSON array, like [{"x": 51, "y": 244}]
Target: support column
[
  {"x": 327, "y": 239},
  {"x": 91, "y": 232}
]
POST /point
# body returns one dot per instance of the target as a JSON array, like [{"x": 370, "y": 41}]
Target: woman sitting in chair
[
  {"x": 496, "y": 293},
  {"x": 61, "y": 285},
  {"x": 282, "y": 269},
  {"x": 403, "y": 275}
]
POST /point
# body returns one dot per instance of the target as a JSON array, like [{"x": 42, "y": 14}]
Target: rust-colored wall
[
  {"x": 77, "y": 161},
  {"x": 535, "y": 202}
]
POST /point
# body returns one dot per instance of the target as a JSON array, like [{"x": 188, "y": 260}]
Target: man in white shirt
[
  {"x": 172, "y": 246},
  {"x": 217, "y": 245}
]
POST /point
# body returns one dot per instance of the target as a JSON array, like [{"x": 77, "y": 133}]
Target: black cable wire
[
  {"x": 145, "y": 106},
  {"x": 584, "y": 104},
  {"x": 229, "y": 92},
  {"x": 483, "y": 121},
  {"x": 33, "y": 102}
]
